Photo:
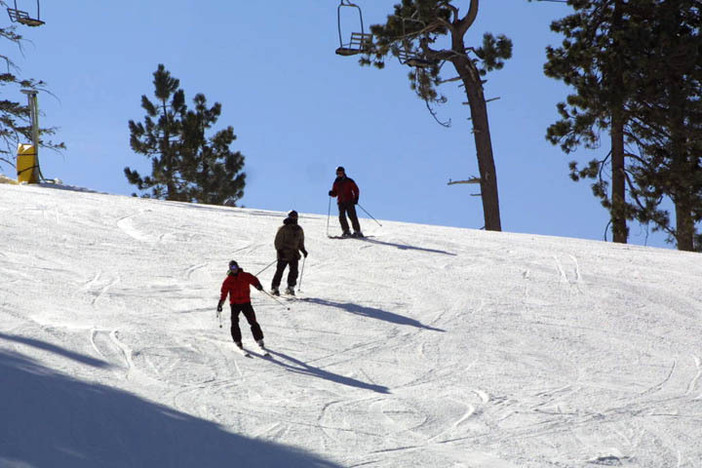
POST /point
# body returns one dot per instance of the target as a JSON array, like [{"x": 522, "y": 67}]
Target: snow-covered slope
[{"x": 420, "y": 346}]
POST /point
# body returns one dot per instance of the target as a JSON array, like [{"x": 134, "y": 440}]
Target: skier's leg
[
  {"x": 354, "y": 218},
  {"x": 280, "y": 267},
  {"x": 236, "y": 332},
  {"x": 250, "y": 315},
  {"x": 342, "y": 218},
  {"x": 293, "y": 272}
]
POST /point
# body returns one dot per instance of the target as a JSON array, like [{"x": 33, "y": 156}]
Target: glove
[
  {"x": 355, "y": 201},
  {"x": 259, "y": 287},
  {"x": 331, "y": 193},
  {"x": 219, "y": 306},
  {"x": 304, "y": 252}
]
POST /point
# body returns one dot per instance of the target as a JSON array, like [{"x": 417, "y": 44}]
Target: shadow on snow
[
  {"x": 56, "y": 350},
  {"x": 297, "y": 366},
  {"x": 372, "y": 312},
  {"x": 50, "y": 419}
]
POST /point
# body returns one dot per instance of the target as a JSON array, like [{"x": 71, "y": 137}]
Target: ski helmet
[
  {"x": 341, "y": 169},
  {"x": 233, "y": 265},
  {"x": 292, "y": 214}
]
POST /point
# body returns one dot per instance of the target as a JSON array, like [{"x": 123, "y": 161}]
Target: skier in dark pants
[
  {"x": 289, "y": 242},
  {"x": 347, "y": 193},
  {"x": 236, "y": 285}
]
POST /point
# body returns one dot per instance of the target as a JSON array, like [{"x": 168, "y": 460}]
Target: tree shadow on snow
[
  {"x": 56, "y": 350},
  {"x": 299, "y": 367},
  {"x": 372, "y": 312},
  {"x": 52, "y": 420}
]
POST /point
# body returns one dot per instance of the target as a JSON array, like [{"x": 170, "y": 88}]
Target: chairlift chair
[
  {"x": 22, "y": 17},
  {"x": 360, "y": 41}
]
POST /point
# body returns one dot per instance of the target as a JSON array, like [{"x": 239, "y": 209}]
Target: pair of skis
[{"x": 262, "y": 351}]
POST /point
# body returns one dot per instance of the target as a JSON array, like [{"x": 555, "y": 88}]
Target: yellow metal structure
[{"x": 27, "y": 168}]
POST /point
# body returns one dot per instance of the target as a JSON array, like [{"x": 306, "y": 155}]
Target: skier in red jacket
[
  {"x": 347, "y": 193},
  {"x": 236, "y": 285}
]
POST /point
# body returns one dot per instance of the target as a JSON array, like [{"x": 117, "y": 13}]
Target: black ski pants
[
  {"x": 292, "y": 272},
  {"x": 350, "y": 209},
  {"x": 250, "y": 315}
]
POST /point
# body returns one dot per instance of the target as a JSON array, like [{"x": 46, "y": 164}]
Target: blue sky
[{"x": 299, "y": 110}]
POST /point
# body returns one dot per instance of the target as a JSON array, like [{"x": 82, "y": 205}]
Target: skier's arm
[
  {"x": 302, "y": 243},
  {"x": 222, "y": 296},
  {"x": 253, "y": 281}
]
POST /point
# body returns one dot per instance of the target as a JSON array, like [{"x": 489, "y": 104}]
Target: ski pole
[
  {"x": 328, "y": 215},
  {"x": 219, "y": 318},
  {"x": 267, "y": 267},
  {"x": 302, "y": 270},
  {"x": 370, "y": 215},
  {"x": 275, "y": 299}
]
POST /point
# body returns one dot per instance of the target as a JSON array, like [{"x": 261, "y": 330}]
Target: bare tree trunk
[
  {"x": 483, "y": 143},
  {"x": 618, "y": 211},
  {"x": 682, "y": 166},
  {"x": 684, "y": 226}
]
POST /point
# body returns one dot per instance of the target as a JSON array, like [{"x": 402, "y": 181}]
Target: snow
[{"x": 421, "y": 346}]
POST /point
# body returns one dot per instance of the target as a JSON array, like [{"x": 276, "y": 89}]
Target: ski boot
[
  {"x": 262, "y": 347},
  {"x": 275, "y": 291},
  {"x": 240, "y": 349},
  {"x": 290, "y": 290}
]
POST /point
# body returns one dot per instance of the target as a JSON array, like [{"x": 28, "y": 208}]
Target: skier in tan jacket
[{"x": 289, "y": 242}]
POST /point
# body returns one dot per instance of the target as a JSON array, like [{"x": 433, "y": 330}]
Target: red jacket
[
  {"x": 237, "y": 286},
  {"x": 346, "y": 190}
]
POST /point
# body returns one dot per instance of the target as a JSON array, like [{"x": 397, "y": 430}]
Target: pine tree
[
  {"x": 668, "y": 124},
  {"x": 597, "y": 58},
  {"x": 635, "y": 68},
  {"x": 187, "y": 165},
  {"x": 158, "y": 137},
  {"x": 15, "y": 124},
  {"x": 212, "y": 169},
  {"x": 410, "y": 34}
]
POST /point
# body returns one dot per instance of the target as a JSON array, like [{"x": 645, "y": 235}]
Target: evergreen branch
[
  {"x": 467, "y": 21},
  {"x": 456, "y": 78},
  {"x": 446, "y": 124}
]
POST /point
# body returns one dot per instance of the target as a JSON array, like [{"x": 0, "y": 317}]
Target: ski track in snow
[
  {"x": 126, "y": 224},
  {"x": 98, "y": 289},
  {"x": 108, "y": 346},
  {"x": 421, "y": 346},
  {"x": 569, "y": 275}
]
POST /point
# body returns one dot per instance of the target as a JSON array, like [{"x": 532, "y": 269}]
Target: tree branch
[
  {"x": 446, "y": 124},
  {"x": 467, "y": 21}
]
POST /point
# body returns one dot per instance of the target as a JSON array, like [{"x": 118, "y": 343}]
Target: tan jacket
[{"x": 289, "y": 241}]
